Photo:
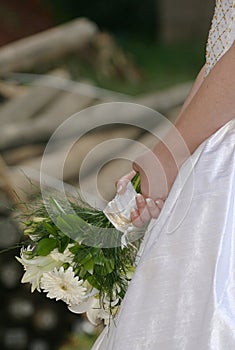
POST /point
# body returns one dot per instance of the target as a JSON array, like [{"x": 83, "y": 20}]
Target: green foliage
[
  {"x": 106, "y": 269},
  {"x": 63, "y": 243},
  {"x": 136, "y": 183},
  {"x": 74, "y": 226},
  {"x": 45, "y": 246}
]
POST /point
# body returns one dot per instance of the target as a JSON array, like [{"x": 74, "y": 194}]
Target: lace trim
[{"x": 222, "y": 32}]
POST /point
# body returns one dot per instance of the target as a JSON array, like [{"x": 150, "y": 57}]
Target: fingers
[
  {"x": 142, "y": 208},
  {"x": 159, "y": 203},
  {"x": 153, "y": 208},
  {"x": 135, "y": 218},
  {"x": 146, "y": 210},
  {"x": 123, "y": 181},
  {"x": 135, "y": 166}
]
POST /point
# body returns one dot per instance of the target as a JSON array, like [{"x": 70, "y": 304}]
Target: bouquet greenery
[{"x": 64, "y": 261}]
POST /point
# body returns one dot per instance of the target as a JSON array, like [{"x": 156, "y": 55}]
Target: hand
[
  {"x": 147, "y": 208},
  {"x": 157, "y": 171}
]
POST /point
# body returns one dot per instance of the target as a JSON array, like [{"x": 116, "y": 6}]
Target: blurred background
[{"x": 58, "y": 57}]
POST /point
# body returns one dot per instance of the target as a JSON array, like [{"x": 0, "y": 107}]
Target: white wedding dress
[{"x": 182, "y": 296}]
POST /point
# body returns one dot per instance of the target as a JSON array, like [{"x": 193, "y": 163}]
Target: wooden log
[
  {"x": 163, "y": 101},
  {"x": 9, "y": 90},
  {"x": 13, "y": 135},
  {"x": 40, "y": 129},
  {"x": 8, "y": 186},
  {"x": 85, "y": 88},
  {"x": 24, "y": 153},
  {"x": 46, "y": 46},
  {"x": 24, "y": 107},
  {"x": 104, "y": 178},
  {"x": 86, "y": 148},
  {"x": 28, "y": 172}
]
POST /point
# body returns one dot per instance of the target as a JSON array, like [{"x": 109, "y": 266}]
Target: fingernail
[
  {"x": 150, "y": 202},
  {"x": 134, "y": 212},
  {"x": 119, "y": 188},
  {"x": 159, "y": 203},
  {"x": 139, "y": 198}
]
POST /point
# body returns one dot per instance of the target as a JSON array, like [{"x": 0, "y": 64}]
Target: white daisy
[{"x": 63, "y": 285}]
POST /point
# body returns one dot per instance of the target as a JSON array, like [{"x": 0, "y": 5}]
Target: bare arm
[
  {"x": 196, "y": 85},
  {"x": 212, "y": 106},
  {"x": 208, "y": 108}
]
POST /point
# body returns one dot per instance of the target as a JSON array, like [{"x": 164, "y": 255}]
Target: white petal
[{"x": 81, "y": 307}]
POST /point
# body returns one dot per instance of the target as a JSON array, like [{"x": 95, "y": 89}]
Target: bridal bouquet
[{"x": 65, "y": 259}]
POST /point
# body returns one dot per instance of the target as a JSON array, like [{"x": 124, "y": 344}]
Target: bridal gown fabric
[{"x": 182, "y": 296}]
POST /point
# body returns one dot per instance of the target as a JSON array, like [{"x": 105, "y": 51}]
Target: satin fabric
[{"x": 182, "y": 296}]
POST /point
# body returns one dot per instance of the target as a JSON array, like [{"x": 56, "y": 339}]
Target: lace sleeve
[{"x": 222, "y": 32}]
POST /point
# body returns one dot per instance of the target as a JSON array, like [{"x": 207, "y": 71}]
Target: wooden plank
[
  {"x": 8, "y": 186},
  {"x": 10, "y": 90},
  {"x": 46, "y": 46},
  {"x": 17, "y": 134},
  {"x": 35, "y": 98},
  {"x": 165, "y": 100},
  {"x": 105, "y": 179},
  {"x": 41, "y": 128},
  {"x": 28, "y": 172}
]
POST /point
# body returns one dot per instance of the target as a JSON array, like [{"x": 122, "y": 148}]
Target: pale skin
[{"x": 209, "y": 106}]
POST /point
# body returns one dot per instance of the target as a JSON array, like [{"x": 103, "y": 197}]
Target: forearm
[{"x": 211, "y": 107}]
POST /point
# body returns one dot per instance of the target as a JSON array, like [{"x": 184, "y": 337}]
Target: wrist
[
  {"x": 168, "y": 162},
  {"x": 173, "y": 149}
]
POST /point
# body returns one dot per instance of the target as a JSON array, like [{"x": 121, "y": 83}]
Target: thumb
[{"x": 123, "y": 181}]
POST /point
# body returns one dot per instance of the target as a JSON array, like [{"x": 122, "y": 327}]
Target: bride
[{"x": 182, "y": 296}]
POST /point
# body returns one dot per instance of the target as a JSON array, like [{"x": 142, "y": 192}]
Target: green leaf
[
  {"x": 98, "y": 256},
  {"x": 89, "y": 266},
  {"x": 82, "y": 253},
  {"x": 109, "y": 265},
  {"x": 56, "y": 208},
  {"x": 86, "y": 258},
  {"x": 63, "y": 225},
  {"x": 106, "y": 268},
  {"x": 50, "y": 229},
  {"x": 93, "y": 281},
  {"x": 74, "y": 249},
  {"x": 83, "y": 273},
  {"x": 45, "y": 246},
  {"x": 136, "y": 183},
  {"x": 74, "y": 227},
  {"x": 63, "y": 243}
]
